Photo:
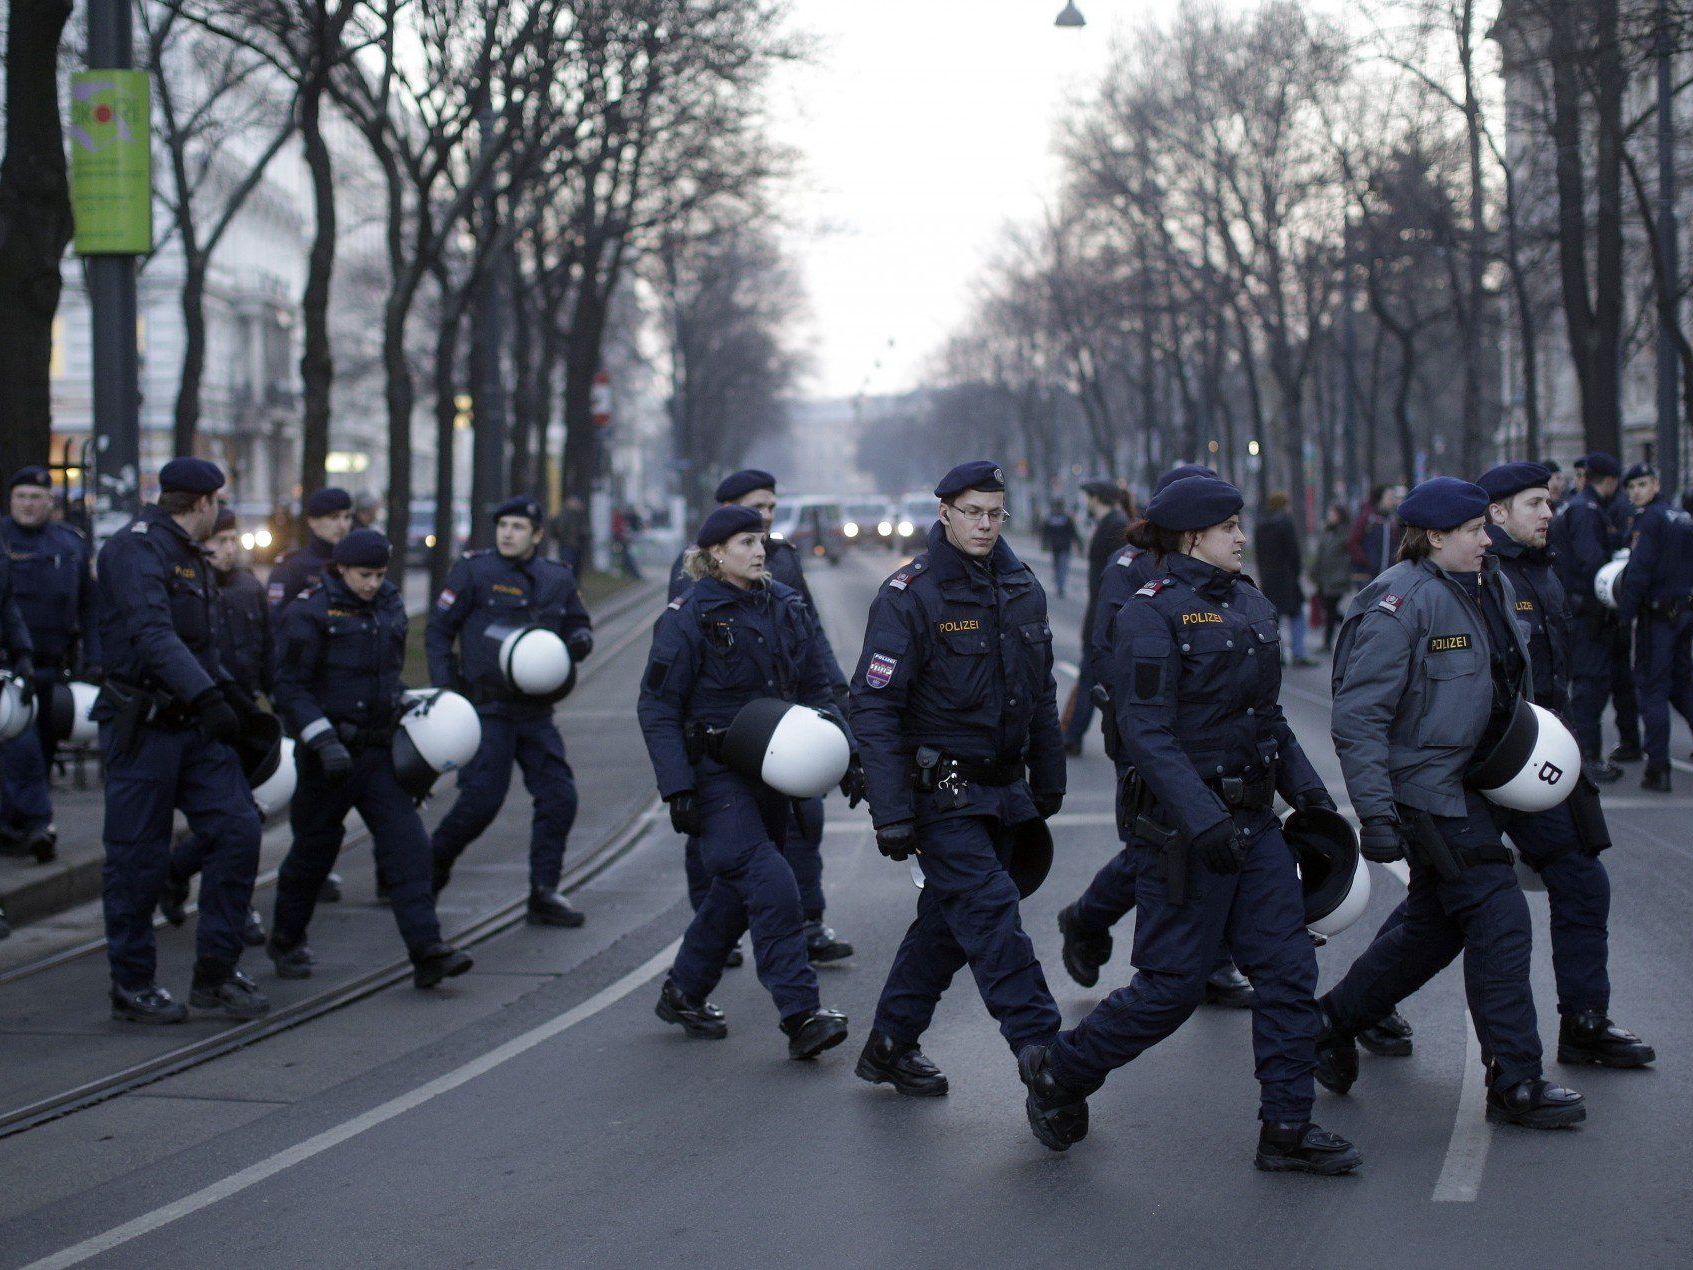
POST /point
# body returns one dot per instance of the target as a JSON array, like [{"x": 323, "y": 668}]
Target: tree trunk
[
  {"x": 582, "y": 361},
  {"x": 187, "y": 418},
  {"x": 523, "y": 383},
  {"x": 446, "y": 411},
  {"x": 317, "y": 366}
]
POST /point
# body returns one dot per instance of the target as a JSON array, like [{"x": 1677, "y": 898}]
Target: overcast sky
[{"x": 925, "y": 126}]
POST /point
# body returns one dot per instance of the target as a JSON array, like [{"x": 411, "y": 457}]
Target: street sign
[
  {"x": 600, "y": 399},
  {"x": 111, "y": 162}
]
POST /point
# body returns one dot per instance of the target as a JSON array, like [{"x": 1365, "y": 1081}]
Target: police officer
[
  {"x": 1583, "y": 539},
  {"x": 341, "y": 648},
  {"x": 488, "y": 595},
  {"x": 756, "y": 489},
  {"x": 734, "y": 637},
  {"x": 329, "y": 518},
  {"x": 1655, "y": 599},
  {"x": 15, "y": 649},
  {"x": 1428, "y": 669},
  {"x": 53, "y": 582},
  {"x": 955, "y": 709},
  {"x": 1086, "y": 925},
  {"x": 1110, "y": 523},
  {"x": 168, "y": 712},
  {"x": 248, "y": 653},
  {"x": 1195, "y": 673}
]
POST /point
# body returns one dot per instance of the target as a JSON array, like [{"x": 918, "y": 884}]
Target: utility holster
[
  {"x": 702, "y": 741},
  {"x": 128, "y": 708},
  {"x": 1422, "y": 837},
  {"x": 1589, "y": 817}
]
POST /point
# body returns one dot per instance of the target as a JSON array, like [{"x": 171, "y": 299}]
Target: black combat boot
[
  {"x": 885, "y": 1061},
  {"x": 1058, "y": 1116},
  {"x": 253, "y": 929},
  {"x": 1387, "y": 1038},
  {"x": 548, "y": 908},
  {"x": 1656, "y": 779},
  {"x": 822, "y": 946},
  {"x": 1337, "y": 1055},
  {"x": 1304, "y": 1148},
  {"x": 811, "y": 1033},
  {"x": 1535, "y": 1104},
  {"x": 1590, "y": 1037},
  {"x": 1226, "y": 986},
  {"x": 42, "y": 843},
  {"x": 5, "y": 926},
  {"x": 1626, "y": 752},
  {"x": 219, "y": 988},
  {"x": 292, "y": 958},
  {"x": 146, "y": 1004},
  {"x": 736, "y": 959},
  {"x": 173, "y": 898},
  {"x": 1601, "y": 772},
  {"x": 1084, "y": 951},
  {"x": 436, "y": 962},
  {"x": 697, "y": 1018},
  {"x": 330, "y": 891}
]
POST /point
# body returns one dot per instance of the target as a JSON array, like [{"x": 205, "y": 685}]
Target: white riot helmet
[
  {"x": 1534, "y": 766},
  {"x": 1332, "y": 873},
  {"x": 438, "y": 733},
  {"x": 794, "y": 749},
  {"x": 535, "y": 662},
  {"x": 1607, "y": 583},
  {"x": 71, "y": 707},
  {"x": 267, "y": 759},
  {"x": 16, "y": 718}
]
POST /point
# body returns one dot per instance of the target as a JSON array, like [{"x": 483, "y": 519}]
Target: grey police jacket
[{"x": 1413, "y": 688}]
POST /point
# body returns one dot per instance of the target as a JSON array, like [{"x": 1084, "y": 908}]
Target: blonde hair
[{"x": 698, "y": 563}]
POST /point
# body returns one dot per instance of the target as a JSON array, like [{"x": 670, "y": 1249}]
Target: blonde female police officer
[{"x": 1194, "y": 675}]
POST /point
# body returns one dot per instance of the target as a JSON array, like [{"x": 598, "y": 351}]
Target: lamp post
[
  {"x": 1668, "y": 449},
  {"x": 1071, "y": 16}
]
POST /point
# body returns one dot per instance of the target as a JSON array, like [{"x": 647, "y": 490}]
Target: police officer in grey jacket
[{"x": 1427, "y": 671}]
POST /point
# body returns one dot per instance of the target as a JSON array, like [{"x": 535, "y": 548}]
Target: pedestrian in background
[
  {"x": 1275, "y": 545},
  {"x": 1331, "y": 570},
  {"x": 1059, "y": 535},
  {"x": 1111, "y": 525},
  {"x": 1374, "y": 540}
]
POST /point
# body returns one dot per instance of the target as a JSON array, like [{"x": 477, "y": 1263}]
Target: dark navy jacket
[
  {"x": 1128, "y": 570},
  {"x": 957, "y": 655},
  {"x": 1660, "y": 561},
  {"x": 1195, "y": 674},
  {"x": 339, "y": 658},
  {"x": 715, "y": 649},
  {"x": 485, "y": 598},
  {"x": 14, "y": 635},
  {"x": 298, "y": 571},
  {"x": 1541, "y": 611},
  {"x": 158, "y": 609},
  {"x": 1581, "y": 541},
  {"x": 245, "y": 642},
  {"x": 53, "y": 582}
]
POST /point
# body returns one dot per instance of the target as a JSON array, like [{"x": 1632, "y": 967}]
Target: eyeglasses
[{"x": 982, "y": 515}]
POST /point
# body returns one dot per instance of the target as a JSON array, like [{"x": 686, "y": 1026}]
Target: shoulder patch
[
  {"x": 448, "y": 598},
  {"x": 1154, "y": 587},
  {"x": 879, "y": 671},
  {"x": 676, "y": 603},
  {"x": 1390, "y": 603},
  {"x": 903, "y": 576},
  {"x": 138, "y": 527}
]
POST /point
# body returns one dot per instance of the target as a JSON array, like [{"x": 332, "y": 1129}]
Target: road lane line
[
  {"x": 286, "y": 1159},
  {"x": 1466, "y": 1152}
]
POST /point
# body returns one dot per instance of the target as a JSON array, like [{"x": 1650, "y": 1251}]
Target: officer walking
[
  {"x": 1110, "y": 524},
  {"x": 736, "y": 636},
  {"x": 168, "y": 714},
  {"x": 338, "y": 687},
  {"x": 1655, "y": 600},
  {"x": 53, "y": 583},
  {"x": 16, "y": 651},
  {"x": 329, "y": 518},
  {"x": 1582, "y": 540},
  {"x": 1428, "y": 669},
  {"x": 488, "y": 596},
  {"x": 1195, "y": 675},
  {"x": 955, "y": 708},
  {"x": 804, "y": 845}
]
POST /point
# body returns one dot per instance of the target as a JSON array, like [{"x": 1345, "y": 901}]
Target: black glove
[
  {"x": 1047, "y": 802},
  {"x": 239, "y": 702},
  {"x": 1380, "y": 840},
  {"x": 853, "y": 784},
  {"x": 336, "y": 759},
  {"x": 580, "y": 644},
  {"x": 1316, "y": 796},
  {"x": 23, "y": 667},
  {"x": 1221, "y": 847},
  {"x": 685, "y": 815},
  {"x": 95, "y": 674},
  {"x": 898, "y": 840},
  {"x": 843, "y": 698},
  {"x": 215, "y": 717}
]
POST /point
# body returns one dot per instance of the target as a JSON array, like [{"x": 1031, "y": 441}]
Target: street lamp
[{"x": 1071, "y": 16}]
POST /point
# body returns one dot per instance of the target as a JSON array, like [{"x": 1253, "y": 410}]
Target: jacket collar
[
  {"x": 949, "y": 564},
  {"x": 714, "y": 593},
  {"x": 1207, "y": 579},
  {"x": 1508, "y": 548},
  {"x": 322, "y": 548},
  {"x": 153, "y": 514}
]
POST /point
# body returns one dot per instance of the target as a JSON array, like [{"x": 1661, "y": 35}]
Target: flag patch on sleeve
[
  {"x": 1390, "y": 603},
  {"x": 880, "y": 672},
  {"x": 448, "y": 596}
]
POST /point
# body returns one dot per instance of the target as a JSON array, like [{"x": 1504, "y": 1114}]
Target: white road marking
[
  {"x": 1466, "y": 1152},
  {"x": 286, "y": 1159}
]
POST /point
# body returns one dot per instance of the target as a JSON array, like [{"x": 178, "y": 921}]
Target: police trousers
[
  {"x": 1599, "y": 669},
  {"x": 1481, "y": 914},
  {"x": 1110, "y": 897},
  {"x": 802, "y": 848},
  {"x": 536, "y": 747},
  {"x": 26, "y": 800},
  {"x": 752, "y": 887},
  {"x": 1663, "y": 677},
  {"x": 163, "y": 771},
  {"x": 397, "y": 839},
  {"x": 1258, "y": 915}
]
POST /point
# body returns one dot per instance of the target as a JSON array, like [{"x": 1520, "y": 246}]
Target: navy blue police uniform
[
  {"x": 167, "y": 711},
  {"x": 1107, "y": 539},
  {"x": 486, "y": 597},
  {"x": 17, "y": 655},
  {"x": 304, "y": 568},
  {"x": 954, "y": 704},
  {"x": 1656, "y": 601}
]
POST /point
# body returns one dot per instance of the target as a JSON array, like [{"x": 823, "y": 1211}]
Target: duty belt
[
  {"x": 1243, "y": 793},
  {"x": 972, "y": 771}
]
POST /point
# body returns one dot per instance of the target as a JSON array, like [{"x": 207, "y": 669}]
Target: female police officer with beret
[
  {"x": 735, "y": 637},
  {"x": 1427, "y": 671},
  {"x": 1194, "y": 673}
]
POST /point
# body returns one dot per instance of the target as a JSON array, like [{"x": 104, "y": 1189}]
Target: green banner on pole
[{"x": 111, "y": 162}]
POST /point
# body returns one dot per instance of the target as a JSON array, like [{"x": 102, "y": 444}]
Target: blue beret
[
  {"x": 1513, "y": 478},
  {"x": 1103, "y": 489},
  {"x": 1442, "y": 503},
  {"x": 1637, "y": 470},
  {"x": 190, "y": 476},
  {"x": 724, "y": 523},
  {"x": 1601, "y": 464},
  {"x": 329, "y": 500},
  {"x": 362, "y": 549},
  {"x": 1551, "y": 465},
  {"x": 225, "y": 520},
  {"x": 740, "y": 484},
  {"x": 1196, "y": 502},
  {"x": 1180, "y": 473},
  {"x": 34, "y": 474},
  {"x": 983, "y": 474},
  {"x": 521, "y": 505}
]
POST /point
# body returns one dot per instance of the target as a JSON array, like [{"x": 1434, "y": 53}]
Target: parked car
[
  {"x": 916, "y": 514},
  {"x": 869, "y": 522},
  {"x": 813, "y": 525},
  {"x": 420, "y": 531}
]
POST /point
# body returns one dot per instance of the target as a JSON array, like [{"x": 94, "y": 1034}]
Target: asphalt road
[{"x": 537, "y": 1113}]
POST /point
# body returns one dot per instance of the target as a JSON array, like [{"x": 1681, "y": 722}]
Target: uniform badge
[
  {"x": 1154, "y": 587},
  {"x": 1390, "y": 603},
  {"x": 880, "y": 672},
  {"x": 448, "y": 598},
  {"x": 1447, "y": 643}
]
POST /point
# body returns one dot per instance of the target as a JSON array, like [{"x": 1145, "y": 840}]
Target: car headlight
[
  {"x": 885, "y": 528},
  {"x": 429, "y": 540},
  {"x": 906, "y": 529},
  {"x": 776, "y": 537},
  {"x": 850, "y": 529},
  {"x": 246, "y": 542},
  {"x": 263, "y": 538}
]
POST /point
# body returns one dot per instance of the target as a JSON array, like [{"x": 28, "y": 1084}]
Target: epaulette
[
  {"x": 676, "y": 603},
  {"x": 1128, "y": 558},
  {"x": 474, "y": 553},
  {"x": 1390, "y": 603},
  {"x": 1154, "y": 587},
  {"x": 901, "y": 577},
  {"x": 139, "y": 527}
]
